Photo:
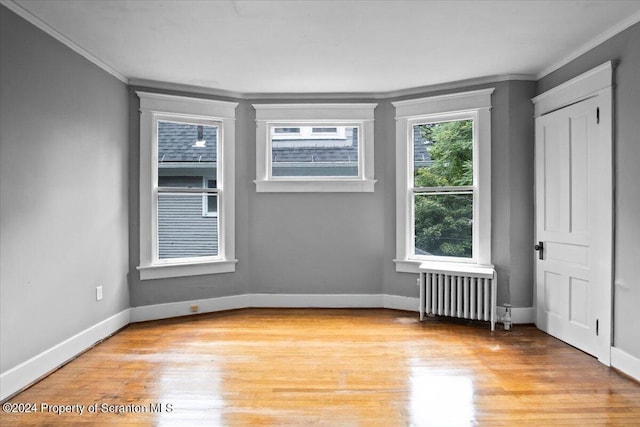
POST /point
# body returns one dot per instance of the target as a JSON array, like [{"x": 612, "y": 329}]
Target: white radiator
[{"x": 469, "y": 292}]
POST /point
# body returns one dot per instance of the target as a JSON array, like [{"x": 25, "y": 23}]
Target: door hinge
[
  {"x": 597, "y": 326},
  {"x": 598, "y": 115}
]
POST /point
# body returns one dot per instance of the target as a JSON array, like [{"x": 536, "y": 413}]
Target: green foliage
[{"x": 443, "y": 223}]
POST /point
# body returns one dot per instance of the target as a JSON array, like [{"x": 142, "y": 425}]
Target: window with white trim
[
  {"x": 186, "y": 186},
  {"x": 314, "y": 147},
  {"x": 443, "y": 167}
]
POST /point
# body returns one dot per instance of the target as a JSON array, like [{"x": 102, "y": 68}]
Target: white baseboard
[
  {"x": 19, "y": 377},
  {"x": 625, "y": 362},
  {"x": 519, "y": 315},
  {"x": 316, "y": 300},
  {"x": 183, "y": 308},
  {"x": 396, "y": 302}
]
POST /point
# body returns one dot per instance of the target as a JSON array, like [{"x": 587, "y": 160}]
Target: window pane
[
  {"x": 186, "y": 150},
  {"x": 212, "y": 205},
  {"x": 180, "y": 181},
  {"x": 286, "y": 130},
  {"x": 182, "y": 229},
  {"x": 443, "y": 154},
  {"x": 313, "y": 155},
  {"x": 443, "y": 224},
  {"x": 325, "y": 130}
]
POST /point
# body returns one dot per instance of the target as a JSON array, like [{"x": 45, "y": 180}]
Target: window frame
[
  {"x": 475, "y": 105},
  {"x": 270, "y": 116},
  {"x": 159, "y": 107}
]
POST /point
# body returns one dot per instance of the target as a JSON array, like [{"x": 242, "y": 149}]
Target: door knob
[{"x": 540, "y": 248}]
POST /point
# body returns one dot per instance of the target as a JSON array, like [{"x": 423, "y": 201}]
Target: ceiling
[{"x": 351, "y": 46}]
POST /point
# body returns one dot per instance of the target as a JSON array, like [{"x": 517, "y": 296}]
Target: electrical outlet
[
  {"x": 194, "y": 308},
  {"x": 98, "y": 293}
]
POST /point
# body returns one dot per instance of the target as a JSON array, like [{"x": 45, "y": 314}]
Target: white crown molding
[
  {"x": 28, "y": 16},
  {"x": 458, "y": 84},
  {"x": 178, "y": 87},
  {"x": 586, "y": 47},
  {"x": 334, "y": 96}
]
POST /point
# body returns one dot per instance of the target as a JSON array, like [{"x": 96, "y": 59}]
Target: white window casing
[
  {"x": 270, "y": 116},
  {"x": 475, "y": 105},
  {"x": 155, "y": 107}
]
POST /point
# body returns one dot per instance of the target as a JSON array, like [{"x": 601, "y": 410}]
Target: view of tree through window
[{"x": 443, "y": 188}]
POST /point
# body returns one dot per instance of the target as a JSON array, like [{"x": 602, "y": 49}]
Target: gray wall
[
  {"x": 623, "y": 48},
  {"x": 337, "y": 243},
  {"x": 63, "y": 192}
]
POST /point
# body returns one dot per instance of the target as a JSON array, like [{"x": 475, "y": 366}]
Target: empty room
[{"x": 319, "y": 212}]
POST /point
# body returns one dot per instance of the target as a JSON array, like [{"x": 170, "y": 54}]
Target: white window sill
[
  {"x": 162, "y": 271},
  {"x": 316, "y": 186},
  {"x": 476, "y": 270}
]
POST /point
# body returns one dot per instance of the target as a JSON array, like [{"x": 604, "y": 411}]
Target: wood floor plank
[{"x": 329, "y": 367}]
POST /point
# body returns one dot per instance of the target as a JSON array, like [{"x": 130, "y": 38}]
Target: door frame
[{"x": 595, "y": 83}]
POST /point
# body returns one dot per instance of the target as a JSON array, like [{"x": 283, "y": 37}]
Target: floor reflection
[
  {"x": 192, "y": 398},
  {"x": 440, "y": 399}
]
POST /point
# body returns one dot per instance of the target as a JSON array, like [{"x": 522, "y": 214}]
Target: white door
[{"x": 570, "y": 225}]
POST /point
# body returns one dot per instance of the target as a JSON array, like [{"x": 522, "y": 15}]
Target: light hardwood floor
[{"x": 334, "y": 367}]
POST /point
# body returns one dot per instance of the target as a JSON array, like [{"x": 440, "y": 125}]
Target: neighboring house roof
[
  {"x": 176, "y": 143},
  {"x": 317, "y": 150},
  {"x": 420, "y": 154},
  {"x": 419, "y": 251}
]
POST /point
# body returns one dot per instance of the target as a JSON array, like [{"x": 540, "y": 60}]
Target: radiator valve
[{"x": 506, "y": 320}]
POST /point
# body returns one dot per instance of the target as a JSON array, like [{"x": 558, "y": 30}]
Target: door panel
[
  {"x": 566, "y": 169},
  {"x": 579, "y": 299},
  {"x": 568, "y": 253},
  {"x": 552, "y": 149},
  {"x": 554, "y": 298},
  {"x": 579, "y": 174}
]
